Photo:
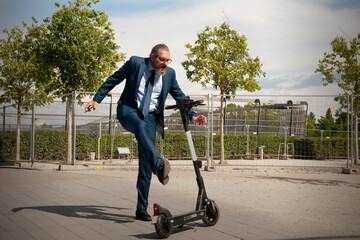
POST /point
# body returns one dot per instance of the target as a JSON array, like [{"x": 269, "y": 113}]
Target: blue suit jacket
[{"x": 132, "y": 71}]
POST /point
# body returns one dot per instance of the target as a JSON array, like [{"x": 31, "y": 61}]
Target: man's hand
[
  {"x": 91, "y": 105},
  {"x": 201, "y": 119}
]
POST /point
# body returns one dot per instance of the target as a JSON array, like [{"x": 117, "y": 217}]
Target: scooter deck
[{"x": 183, "y": 218}]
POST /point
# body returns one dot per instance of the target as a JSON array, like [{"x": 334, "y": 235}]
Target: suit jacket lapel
[
  {"x": 142, "y": 69},
  {"x": 164, "y": 89}
]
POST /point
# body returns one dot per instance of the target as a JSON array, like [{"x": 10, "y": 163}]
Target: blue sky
[{"x": 289, "y": 36}]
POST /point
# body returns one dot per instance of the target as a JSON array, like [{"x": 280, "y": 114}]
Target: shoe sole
[
  {"x": 167, "y": 168},
  {"x": 163, "y": 177},
  {"x": 166, "y": 180},
  {"x": 143, "y": 219}
]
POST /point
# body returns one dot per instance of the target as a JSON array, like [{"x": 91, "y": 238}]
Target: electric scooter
[{"x": 206, "y": 209}]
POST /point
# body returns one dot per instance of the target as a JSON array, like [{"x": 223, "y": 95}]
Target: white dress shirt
[{"x": 155, "y": 92}]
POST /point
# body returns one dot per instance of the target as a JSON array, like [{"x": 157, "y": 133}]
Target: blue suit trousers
[{"x": 149, "y": 159}]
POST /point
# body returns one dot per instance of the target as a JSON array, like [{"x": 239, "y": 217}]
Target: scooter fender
[
  {"x": 158, "y": 210},
  {"x": 162, "y": 210}
]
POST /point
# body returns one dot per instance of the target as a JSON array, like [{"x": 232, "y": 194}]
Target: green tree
[
  {"x": 78, "y": 43},
  {"x": 341, "y": 120},
  {"x": 220, "y": 57},
  {"x": 311, "y": 121},
  {"x": 342, "y": 66},
  {"x": 311, "y": 125},
  {"x": 327, "y": 122},
  {"x": 22, "y": 76}
]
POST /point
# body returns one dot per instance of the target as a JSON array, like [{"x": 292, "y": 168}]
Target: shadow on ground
[
  {"x": 88, "y": 212},
  {"x": 325, "y": 238},
  {"x": 318, "y": 182},
  {"x": 175, "y": 230}
]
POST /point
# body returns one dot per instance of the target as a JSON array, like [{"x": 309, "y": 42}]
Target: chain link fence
[{"x": 258, "y": 130}]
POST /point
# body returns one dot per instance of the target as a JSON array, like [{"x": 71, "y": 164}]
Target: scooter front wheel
[
  {"x": 212, "y": 216},
  {"x": 163, "y": 229}
]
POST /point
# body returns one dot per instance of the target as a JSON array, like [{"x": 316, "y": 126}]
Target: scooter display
[{"x": 206, "y": 209}]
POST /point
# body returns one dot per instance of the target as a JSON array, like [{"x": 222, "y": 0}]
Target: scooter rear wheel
[
  {"x": 212, "y": 218},
  {"x": 163, "y": 229}
]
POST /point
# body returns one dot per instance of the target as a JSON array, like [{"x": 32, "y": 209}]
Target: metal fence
[{"x": 249, "y": 116}]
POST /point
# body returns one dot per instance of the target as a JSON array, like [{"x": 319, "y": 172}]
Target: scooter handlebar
[
  {"x": 186, "y": 103},
  {"x": 171, "y": 107}
]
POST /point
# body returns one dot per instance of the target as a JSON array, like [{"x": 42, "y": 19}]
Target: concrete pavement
[{"x": 98, "y": 204}]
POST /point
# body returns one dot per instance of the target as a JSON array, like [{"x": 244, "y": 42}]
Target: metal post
[
  {"x": 321, "y": 142},
  {"x": 212, "y": 128},
  {"x": 307, "y": 106},
  {"x": 285, "y": 144},
  {"x": 110, "y": 114},
  {"x": 99, "y": 140},
  {"x": 347, "y": 132},
  {"x": 258, "y": 120},
  {"x": 32, "y": 142},
  {"x": 208, "y": 135},
  {"x": 74, "y": 127},
  {"x": 236, "y": 122},
  {"x": 247, "y": 139},
  {"x": 132, "y": 147},
  {"x": 291, "y": 115},
  {"x": 112, "y": 141},
  {"x": 352, "y": 132},
  {"x": 3, "y": 137},
  {"x": 245, "y": 122}
]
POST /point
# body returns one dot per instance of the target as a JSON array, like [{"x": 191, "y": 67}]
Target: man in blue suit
[{"x": 141, "y": 111}]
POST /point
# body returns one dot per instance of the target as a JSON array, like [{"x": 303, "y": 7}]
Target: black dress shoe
[
  {"x": 142, "y": 214},
  {"x": 163, "y": 172}
]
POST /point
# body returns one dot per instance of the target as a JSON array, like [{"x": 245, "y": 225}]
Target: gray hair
[{"x": 156, "y": 48}]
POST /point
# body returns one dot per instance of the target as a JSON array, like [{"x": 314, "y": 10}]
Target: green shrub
[{"x": 52, "y": 145}]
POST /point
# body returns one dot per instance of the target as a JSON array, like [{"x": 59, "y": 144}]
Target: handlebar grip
[
  {"x": 171, "y": 107},
  {"x": 197, "y": 103}
]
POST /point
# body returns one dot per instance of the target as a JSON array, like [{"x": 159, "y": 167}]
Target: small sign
[{"x": 123, "y": 150}]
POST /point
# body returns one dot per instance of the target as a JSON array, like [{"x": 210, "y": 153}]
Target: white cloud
[{"x": 289, "y": 36}]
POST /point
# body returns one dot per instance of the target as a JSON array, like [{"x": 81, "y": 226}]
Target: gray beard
[{"x": 159, "y": 73}]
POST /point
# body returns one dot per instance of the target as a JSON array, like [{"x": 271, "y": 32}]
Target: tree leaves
[
  {"x": 78, "y": 43},
  {"x": 220, "y": 57},
  {"x": 21, "y": 72},
  {"x": 342, "y": 65}
]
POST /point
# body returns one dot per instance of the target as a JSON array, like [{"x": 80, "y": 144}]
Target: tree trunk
[
  {"x": 222, "y": 150},
  {"x": 356, "y": 140},
  {"x": 18, "y": 132},
  {"x": 69, "y": 130}
]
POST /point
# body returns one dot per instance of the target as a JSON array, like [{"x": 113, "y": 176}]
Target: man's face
[{"x": 159, "y": 62}]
